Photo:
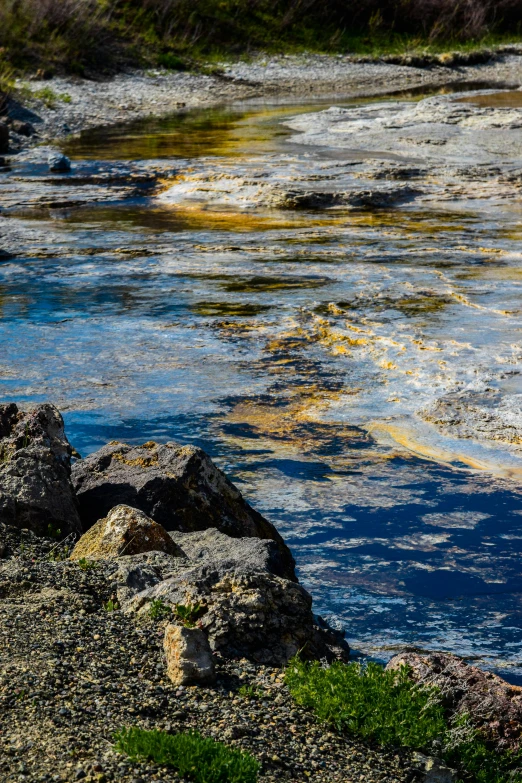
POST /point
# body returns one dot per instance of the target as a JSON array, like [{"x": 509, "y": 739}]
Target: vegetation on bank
[
  {"x": 199, "y": 759},
  {"x": 387, "y": 707},
  {"x": 89, "y": 36}
]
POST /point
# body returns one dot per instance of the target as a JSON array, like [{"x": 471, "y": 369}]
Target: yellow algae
[
  {"x": 500, "y": 273},
  {"x": 465, "y": 301},
  {"x": 410, "y": 441},
  {"x": 505, "y": 99},
  {"x": 284, "y": 424},
  {"x": 340, "y": 349},
  {"x": 200, "y": 215}
]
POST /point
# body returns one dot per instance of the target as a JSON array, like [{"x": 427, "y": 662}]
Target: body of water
[{"x": 300, "y": 349}]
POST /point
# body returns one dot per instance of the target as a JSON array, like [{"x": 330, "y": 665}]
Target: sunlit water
[{"x": 297, "y": 348}]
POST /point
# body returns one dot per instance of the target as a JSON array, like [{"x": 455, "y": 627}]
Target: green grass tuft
[
  {"x": 200, "y": 759},
  {"x": 369, "y": 702},
  {"x": 387, "y": 707}
]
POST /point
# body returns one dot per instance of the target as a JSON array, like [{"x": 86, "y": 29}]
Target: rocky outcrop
[
  {"x": 189, "y": 657},
  {"x": 124, "y": 531},
  {"x": 493, "y": 705},
  {"x": 178, "y": 486},
  {"x": 35, "y": 466},
  {"x": 245, "y": 613}
]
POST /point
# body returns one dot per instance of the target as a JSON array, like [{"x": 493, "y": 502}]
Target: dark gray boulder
[
  {"x": 59, "y": 163},
  {"x": 177, "y": 486},
  {"x": 35, "y": 466}
]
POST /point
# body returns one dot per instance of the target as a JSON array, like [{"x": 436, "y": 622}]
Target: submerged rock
[
  {"x": 485, "y": 415},
  {"x": 178, "y": 486},
  {"x": 35, "y": 466},
  {"x": 189, "y": 657},
  {"x": 493, "y": 705},
  {"x": 124, "y": 531}
]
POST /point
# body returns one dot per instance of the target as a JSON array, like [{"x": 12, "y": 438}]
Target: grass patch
[
  {"x": 45, "y": 94},
  {"x": 85, "y": 564},
  {"x": 388, "y": 708},
  {"x": 200, "y": 759},
  {"x": 369, "y": 702}
]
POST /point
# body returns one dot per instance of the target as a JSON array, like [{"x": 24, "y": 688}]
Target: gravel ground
[
  {"x": 133, "y": 95},
  {"x": 72, "y": 673}
]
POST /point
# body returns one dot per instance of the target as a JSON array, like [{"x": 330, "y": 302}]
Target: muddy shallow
[{"x": 338, "y": 325}]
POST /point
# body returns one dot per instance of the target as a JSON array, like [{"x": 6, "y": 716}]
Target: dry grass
[{"x": 97, "y": 35}]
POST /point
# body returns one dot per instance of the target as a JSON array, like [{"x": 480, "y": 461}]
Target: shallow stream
[{"x": 299, "y": 347}]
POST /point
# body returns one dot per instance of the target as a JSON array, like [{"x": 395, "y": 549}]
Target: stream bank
[{"x": 131, "y": 96}]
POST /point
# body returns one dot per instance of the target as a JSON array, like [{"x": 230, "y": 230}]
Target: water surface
[{"x": 297, "y": 348}]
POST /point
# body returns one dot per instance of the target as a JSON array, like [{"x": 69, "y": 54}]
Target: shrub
[
  {"x": 369, "y": 701},
  {"x": 200, "y": 759},
  {"x": 466, "y": 750}
]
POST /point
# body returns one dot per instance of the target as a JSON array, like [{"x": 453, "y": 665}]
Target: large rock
[
  {"x": 212, "y": 546},
  {"x": 246, "y": 614},
  {"x": 35, "y": 466},
  {"x": 124, "y": 531},
  {"x": 493, "y": 705},
  {"x": 189, "y": 657},
  {"x": 178, "y": 486}
]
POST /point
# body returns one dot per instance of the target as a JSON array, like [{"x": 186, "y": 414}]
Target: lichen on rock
[{"x": 124, "y": 531}]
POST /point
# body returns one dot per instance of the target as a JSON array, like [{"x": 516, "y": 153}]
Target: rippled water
[{"x": 297, "y": 348}]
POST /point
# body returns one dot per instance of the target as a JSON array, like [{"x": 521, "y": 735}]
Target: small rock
[
  {"x": 433, "y": 770},
  {"x": 58, "y": 162},
  {"x": 124, "y": 531},
  {"x": 189, "y": 657}
]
